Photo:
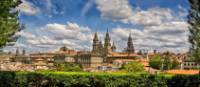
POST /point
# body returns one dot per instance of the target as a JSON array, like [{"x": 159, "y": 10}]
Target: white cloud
[
  {"x": 162, "y": 28},
  {"x": 168, "y": 36},
  {"x": 69, "y": 31},
  {"x": 28, "y": 8},
  {"x": 171, "y": 36},
  {"x": 25, "y": 34},
  {"x": 87, "y": 7},
  {"x": 120, "y": 10},
  {"x": 150, "y": 17},
  {"x": 115, "y": 9},
  {"x": 53, "y": 36}
]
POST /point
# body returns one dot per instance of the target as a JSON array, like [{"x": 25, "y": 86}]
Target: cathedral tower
[
  {"x": 95, "y": 44},
  {"x": 100, "y": 47},
  {"x": 113, "y": 47},
  {"x": 130, "y": 47},
  {"x": 107, "y": 44}
]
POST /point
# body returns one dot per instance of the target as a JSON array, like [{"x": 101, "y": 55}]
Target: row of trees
[{"x": 80, "y": 79}]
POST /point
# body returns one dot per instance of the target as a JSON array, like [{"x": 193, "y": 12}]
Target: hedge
[{"x": 83, "y": 79}]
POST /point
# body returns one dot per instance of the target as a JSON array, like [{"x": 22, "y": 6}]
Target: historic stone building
[
  {"x": 130, "y": 48},
  {"x": 103, "y": 54}
]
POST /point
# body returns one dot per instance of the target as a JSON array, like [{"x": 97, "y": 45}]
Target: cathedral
[
  {"x": 103, "y": 49},
  {"x": 105, "y": 53},
  {"x": 108, "y": 48}
]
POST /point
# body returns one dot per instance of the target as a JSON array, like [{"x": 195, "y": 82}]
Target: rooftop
[{"x": 187, "y": 72}]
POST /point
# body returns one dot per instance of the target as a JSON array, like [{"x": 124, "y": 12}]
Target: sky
[{"x": 154, "y": 24}]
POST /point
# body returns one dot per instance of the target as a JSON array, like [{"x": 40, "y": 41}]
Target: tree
[
  {"x": 9, "y": 23},
  {"x": 140, "y": 52},
  {"x": 133, "y": 67},
  {"x": 155, "y": 62},
  {"x": 194, "y": 37},
  {"x": 69, "y": 67},
  {"x": 164, "y": 62}
]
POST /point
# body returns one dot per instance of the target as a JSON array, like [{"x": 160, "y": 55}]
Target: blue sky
[
  {"x": 154, "y": 24},
  {"x": 62, "y": 11}
]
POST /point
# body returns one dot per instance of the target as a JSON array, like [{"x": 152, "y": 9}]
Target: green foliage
[
  {"x": 163, "y": 62},
  {"x": 83, "y": 79},
  {"x": 133, "y": 67},
  {"x": 69, "y": 67},
  {"x": 194, "y": 29},
  {"x": 155, "y": 62},
  {"x": 194, "y": 21},
  {"x": 9, "y": 23}
]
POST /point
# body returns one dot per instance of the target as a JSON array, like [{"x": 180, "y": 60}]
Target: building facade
[{"x": 103, "y": 54}]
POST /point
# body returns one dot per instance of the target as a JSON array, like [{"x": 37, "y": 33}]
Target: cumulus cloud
[
  {"x": 53, "y": 36},
  {"x": 171, "y": 36},
  {"x": 120, "y": 10},
  {"x": 167, "y": 36},
  {"x": 162, "y": 28},
  {"x": 28, "y": 8},
  {"x": 115, "y": 9},
  {"x": 150, "y": 17}
]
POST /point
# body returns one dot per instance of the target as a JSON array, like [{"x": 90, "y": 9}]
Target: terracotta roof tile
[{"x": 189, "y": 72}]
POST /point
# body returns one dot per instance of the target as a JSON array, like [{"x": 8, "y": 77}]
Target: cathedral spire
[
  {"x": 113, "y": 47},
  {"x": 107, "y": 44},
  {"x": 95, "y": 37},
  {"x": 130, "y": 47},
  {"x": 95, "y": 43},
  {"x": 107, "y": 39}
]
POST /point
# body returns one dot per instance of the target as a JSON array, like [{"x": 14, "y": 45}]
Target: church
[{"x": 104, "y": 54}]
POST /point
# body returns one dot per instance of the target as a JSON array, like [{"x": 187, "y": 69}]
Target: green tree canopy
[
  {"x": 155, "y": 62},
  {"x": 194, "y": 37},
  {"x": 9, "y": 22},
  {"x": 133, "y": 67},
  {"x": 69, "y": 67},
  {"x": 164, "y": 62}
]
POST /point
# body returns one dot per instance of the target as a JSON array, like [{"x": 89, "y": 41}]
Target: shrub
[
  {"x": 165, "y": 62},
  {"x": 133, "y": 67},
  {"x": 83, "y": 79}
]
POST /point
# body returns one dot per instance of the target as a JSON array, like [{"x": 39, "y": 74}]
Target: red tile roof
[
  {"x": 188, "y": 72},
  {"x": 123, "y": 54}
]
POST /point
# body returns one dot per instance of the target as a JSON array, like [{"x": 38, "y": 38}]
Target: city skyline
[{"x": 159, "y": 24}]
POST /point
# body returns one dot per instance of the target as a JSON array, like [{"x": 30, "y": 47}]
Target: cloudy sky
[{"x": 154, "y": 24}]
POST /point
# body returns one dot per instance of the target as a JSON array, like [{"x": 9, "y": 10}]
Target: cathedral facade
[
  {"x": 103, "y": 49},
  {"x": 105, "y": 53}
]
